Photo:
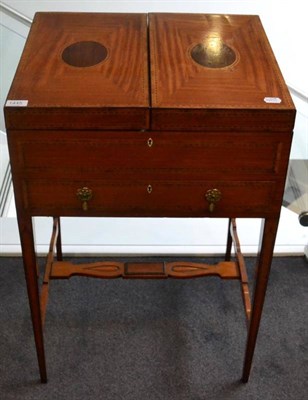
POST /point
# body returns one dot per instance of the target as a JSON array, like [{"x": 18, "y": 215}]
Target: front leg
[
  {"x": 267, "y": 243},
  {"x": 29, "y": 261}
]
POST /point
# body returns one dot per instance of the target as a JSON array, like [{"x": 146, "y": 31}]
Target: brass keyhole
[
  {"x": 149, "y": 189},
  {"x": 150, "y": 142}
]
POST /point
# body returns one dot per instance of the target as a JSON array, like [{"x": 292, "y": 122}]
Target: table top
[
  {"x": 213, "y": 61},
  {"x": 84, "y": 59},
  {"x": 110, "y": 67}
]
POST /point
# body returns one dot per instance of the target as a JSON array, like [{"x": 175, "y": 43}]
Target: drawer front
[
  {"x": 150, "y": 198},
  {"x": 165, "y": 155}
]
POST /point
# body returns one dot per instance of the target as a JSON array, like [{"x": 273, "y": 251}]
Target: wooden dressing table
[{"x": 159, "y": 115}]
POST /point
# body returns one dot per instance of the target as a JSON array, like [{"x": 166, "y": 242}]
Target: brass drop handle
[
  {"x": 84, "y": 195},
  {"x": 213, "y": 196}
]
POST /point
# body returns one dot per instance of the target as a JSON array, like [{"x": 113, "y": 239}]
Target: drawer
[
  {"x": 167, "y": 155},
  {"x": 150, "y": 199}
]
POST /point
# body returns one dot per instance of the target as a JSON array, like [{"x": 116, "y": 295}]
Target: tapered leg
[
  {"x": 229, "y": 243},
  {"x": 267, "y": 242},
  {"x": 59, "y": 241},
  {"x": 29, "y": 260}
]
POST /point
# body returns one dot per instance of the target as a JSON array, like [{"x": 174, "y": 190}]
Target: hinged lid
[
  {"x": 215, "y": 72},
  {"x": 82, "y": 70}
]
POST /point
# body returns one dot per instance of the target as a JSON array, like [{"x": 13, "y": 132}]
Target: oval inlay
[
  {"x": 84, "y": 54},
  {"x": 213, "y": 53}
]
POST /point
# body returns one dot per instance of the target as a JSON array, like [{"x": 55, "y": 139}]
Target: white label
[
  {"x": 274, "y": 100},
  {"x": 16, "y": 103}
]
